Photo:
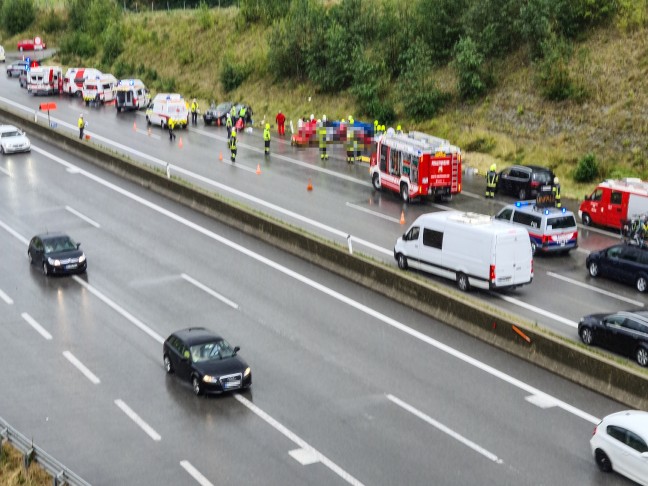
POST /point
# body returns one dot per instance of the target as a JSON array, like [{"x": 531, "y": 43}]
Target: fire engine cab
[
  {"x": 45, "y": 80},
  {"x": 416, "y": 165}
]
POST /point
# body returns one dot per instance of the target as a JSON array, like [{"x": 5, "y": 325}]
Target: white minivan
[{"x": 472, "y": 249}]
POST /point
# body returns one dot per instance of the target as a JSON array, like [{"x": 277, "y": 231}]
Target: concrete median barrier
[{"x": 619, "y": 380}]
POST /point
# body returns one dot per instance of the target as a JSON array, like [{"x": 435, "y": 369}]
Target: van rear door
[{"x": 512, "y": 258}]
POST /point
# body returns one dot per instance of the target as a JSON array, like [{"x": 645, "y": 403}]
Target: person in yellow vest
[
  {"x": 81, "y": 124},
  {"x": 232, "y": 145},
  {"x": 171, "y": 127},
  {"x": 266, "y": 138},
  {"x": 194, "y": 112},
  {"x": 322, "y": 142},
  {"x": 556, "y": 192},
  {"x": 399, "y": 130},
  {"x": 228, "y": 125},
  {"x": 491, "y": 181}
]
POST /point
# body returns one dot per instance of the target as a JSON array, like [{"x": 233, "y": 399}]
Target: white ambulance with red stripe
[{"x": 75, "y": 77}]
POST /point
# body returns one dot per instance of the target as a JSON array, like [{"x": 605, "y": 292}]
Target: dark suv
[
  {"x": 626, "y": 263},
  {"x": 523, "y": 181}
]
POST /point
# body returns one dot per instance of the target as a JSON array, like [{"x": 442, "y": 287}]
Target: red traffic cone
[
  {"x": 180, "y": 143},
  {"x": 134, "y": 126},
  {"x": 258, "y": 171},
  {"x": 402, "y": 218},
  {"x": 309, "y": 187},
  {"x": 220, "y": 156}
]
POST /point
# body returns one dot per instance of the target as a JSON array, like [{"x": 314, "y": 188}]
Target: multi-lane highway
[{"x": 349, "y": 388}]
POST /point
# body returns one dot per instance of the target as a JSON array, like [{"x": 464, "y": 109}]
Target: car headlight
[
  {"x": 210, "y": 379},
  {"x": 53, "y": 262},
  {"x": 247, "y": 371},
  {"x": 82, "y": 258}
]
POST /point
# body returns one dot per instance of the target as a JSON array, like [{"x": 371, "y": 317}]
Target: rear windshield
[
  {"x": 561, "y": 222},
  {"x": 542, "y": 177}
]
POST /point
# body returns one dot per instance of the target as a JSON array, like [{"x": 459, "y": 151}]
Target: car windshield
[
  {"x": 10, "y": 134},
  {"x": 542, "y": 177},
  {"x": 62, "y": 243},
  {"x": 223, "y": 107},
  {"x": 562, "y": 222},
  {"x": 211, "y": 351}
]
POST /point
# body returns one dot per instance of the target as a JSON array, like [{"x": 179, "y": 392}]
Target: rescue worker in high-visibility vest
[
  {"x": 171, "y": 127},
  {"x": 266, "y": 138},
  {"x": 232, "y": 145},
  {"x": 228, "y": 125},
  {"x": 350, "y": 144},
  {"x": 375, "y": 127},
  {"x": 194, "y": 112},
  {"x": 322, "y": 142},
  {"x": 556, "y": 192},
  {"x": 491, "y": 181},
  {"x": 233, "y": 112},
  {"x": 242, "y": 115},
  {"x": 81, "y": 125},
  {"x": 399, "y": 130}
]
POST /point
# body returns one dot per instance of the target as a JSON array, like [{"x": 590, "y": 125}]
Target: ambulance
[
  {"x": 131, "y": 94},
  {"x": 167, "y": 106},
  {"x": 75, "y": 77},
  {"x": 45, "y": 80},
  {"x": 99, "y": 89}
]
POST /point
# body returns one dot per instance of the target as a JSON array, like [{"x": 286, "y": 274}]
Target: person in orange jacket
[{"x": 281, "y": 120}]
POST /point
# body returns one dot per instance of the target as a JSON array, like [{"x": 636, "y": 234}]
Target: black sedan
[
  {"x": 623, "y": 332},
  {"x": 206, "y": 360},
  {"x": 625, "y": 263},
  {"x": 217, "y": 114},
  {"x": 56, "y": 253}
]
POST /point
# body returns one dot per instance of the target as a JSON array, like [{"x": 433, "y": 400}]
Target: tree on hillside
[
  {"x": 17, "y": 15},
  {"x": 468, "y": 63},
  {"x": 390, "y": 38},
  {"x": 493, "y": 25},
  {"x": 266, "y": 11},
  {"x": 440, "y": 23}
]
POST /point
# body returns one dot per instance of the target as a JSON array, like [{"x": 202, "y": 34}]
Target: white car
[
  {"x": 2, "y": 54},
  {"x": 13, "y": 140},
  {"x": 620, "y": 443}
]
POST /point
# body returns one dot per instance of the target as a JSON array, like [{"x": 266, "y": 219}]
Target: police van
[
  {"x": 550, "y": 229},
  {"x": 100, "y": 89},
  {"x": 167, "y": 106},
  {"x": 472, "y": 249},
  {"x": 131, "y": 94}
]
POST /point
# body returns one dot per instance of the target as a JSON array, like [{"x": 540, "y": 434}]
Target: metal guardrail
[{"x": 61, "y": 475}]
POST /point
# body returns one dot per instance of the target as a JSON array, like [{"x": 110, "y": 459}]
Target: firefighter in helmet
[
  {"x": 266, "y": 139},
  {"x": 232, "y": 145},
  {"x": 556, "y": 192},
  {"x": 491, "y": 181}
]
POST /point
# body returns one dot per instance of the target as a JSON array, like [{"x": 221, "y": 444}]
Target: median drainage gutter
[{"x": 622, "y": 382}]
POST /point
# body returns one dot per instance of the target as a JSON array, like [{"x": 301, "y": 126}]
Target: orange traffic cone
[
  {"x": 402, "y": 220},
  {"x": 258, "y": 171},
  {"x": 220, "y": 156},
  {"x": 87, "y": 137},
  {"x": 180, "y": 143},
  {"x": 309, "y": 187},
  {"x": 134, "y": 126}
]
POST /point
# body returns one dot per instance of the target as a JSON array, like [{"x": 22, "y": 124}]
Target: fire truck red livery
[
  {"x": 416, "y": 165},
  {"x": 615, "y": 201}
]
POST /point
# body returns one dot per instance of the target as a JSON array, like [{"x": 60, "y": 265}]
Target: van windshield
[{"x": 561, "y": 222}]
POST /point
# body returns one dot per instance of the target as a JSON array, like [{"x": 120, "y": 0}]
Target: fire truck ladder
[{"x": 454, "y": 184}]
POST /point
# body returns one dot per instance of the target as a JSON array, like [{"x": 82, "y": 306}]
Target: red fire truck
[{"x": 416, "y": 165}]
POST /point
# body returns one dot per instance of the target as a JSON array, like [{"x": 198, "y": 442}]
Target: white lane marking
[
  {"x": 305, "y": 457},
  {"x": 445, "y": 429},
  {"x": 211, "y": 292},
  {"x": 373, "y": 213},
  {"x": 148, "y": 134},
  {"x": 8, "y": 300},
  {"x": 40, "y": 329},
  {"x": 541, "y": 401},
  {"x": 297, "y": 440},
  {"x": 5, "y": 171},
  {"x": 119, "y": 309},
  {"x": 81, "y": 367},
  {"x": 82, "y": 216},
  {"x": 14, "y": 233},
  {"x": 138, "y": 420},
  {"x": 595, "y": 289},
  {"x": 195, "y": 473},
  {"x": 537, "y": 310},
  {"x": 335, "y": 295}
]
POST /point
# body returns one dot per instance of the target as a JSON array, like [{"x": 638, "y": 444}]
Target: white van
[
  {"x": 131, "y": 94},
  {"x": 75, "y": 77},
  {"x": 472, "y": 249},
  {"x": 167, "y": 106},
  {"x": 99, "y": 88}
]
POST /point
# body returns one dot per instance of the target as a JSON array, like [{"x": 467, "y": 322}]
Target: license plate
[
  {"x": 233, "y": 384},
  {"x": 71, "y": 266}
]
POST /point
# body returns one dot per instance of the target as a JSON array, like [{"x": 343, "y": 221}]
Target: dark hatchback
[
  {"x": 623, "y": 332},
  {"x": 625, "y": 263},
  {"x": 206, "y": 360},
  {"x": 217, "y": 114},
  {"x": 56, "y": 253},
  {"x": 523, "y": 181},
  {"x": 19, "y": 67}
]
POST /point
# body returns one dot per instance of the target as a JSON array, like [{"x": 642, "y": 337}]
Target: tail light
[
  {"x": 532, "y": 267},
  {"x": 545, "y": 240},
  {"x": 535, "y": 183},
  {"x": 492, "y": 273},
  {"x": 594, "y": 431}
]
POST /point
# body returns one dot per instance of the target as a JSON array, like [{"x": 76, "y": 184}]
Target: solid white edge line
[
  {"x": 202, "y": 480},
  {"x": 8, "y": 300},
  {"x": 119, "y": 309},
  {"x": 211, "y": 292},
  {"x": 537, "y": 310},
  {"x": 14, "y": 233},
  {"x": 373, "y": 213},
  {"x": 446, "y": 430},
  {"x": 595, "y": 289},
  {"x": 138, "y": 420},
  {"x": 297, "y": 440},
  {"x": 81, "y": 367},
  {"x": 40, "y": 329},
  {"x": 82, "y": 216},
  {"x": 5, "y": 171}
]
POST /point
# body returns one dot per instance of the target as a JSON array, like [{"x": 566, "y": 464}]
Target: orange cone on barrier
[
  {"x": 220, "y": 156},
  {"x": 402, "y": 220},
  {"x": 180, "y": 143},
  {"x": 309, "y": 187},
  {"x": 87, "y": 137},
  {"x": 258, "y": 171},
  {"x": 134, "y": 126}
]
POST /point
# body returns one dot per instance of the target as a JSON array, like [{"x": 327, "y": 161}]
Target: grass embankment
[
  {"x": 512, "y": 124},
  {"x": 12, "y": 472}
]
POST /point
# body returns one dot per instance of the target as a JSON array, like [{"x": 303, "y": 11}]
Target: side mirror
[
  {"x": 405, "y": 237},
  {"x": 587, "y": 197},
  {"x": 78, "y": 245},
  {"x": 236, "y": 349}
]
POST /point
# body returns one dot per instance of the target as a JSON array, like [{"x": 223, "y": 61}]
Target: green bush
[
  {"x": 381, "y": 110},
  {"x": 78, "y": 44},
  {"x": 53, "y": 22},
  {"x": 165, "y": 85},
  {"x": 330, "y": 66},
  {"x": 204, "y": 16},
  {"x": 266, "y": 11},
  {"x": 122, "y": 69},
  {"x": 113, "y": 44},
  {"x": 481, "y": 144},
  {"x": 17, "y": 15},
  {"x": 445, "y": 30},
  {"x": 587, "y": 169},
  {"x": 232, "y": 75},
  {"x": 468, "y": 63},
  {"x": 552, "y": 72}
]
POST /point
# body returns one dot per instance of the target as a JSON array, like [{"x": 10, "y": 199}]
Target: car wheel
[
  {"x": 522, "y": 194},
  {"x": 2, "y": 151},
  {"x": 594, "y": 269},
  {"x": 167, "y": 364},
  {"x": 375, "y": 180},
  {"x": 195, "y": 383},
  {"x": 642, "y": 356},
  {"x": 587, "y": 335},
  {"x": 45, "y": 269},
  {"x": 462, "y": 282},
  {"x": 603, "y": 461},
  {"x": 534, "y": 248},
  {"x": 642, "y": 284},
  {"x": 402, "y": 261},
  {"x": 404, "y": 194},
  {"x": 587, "y": 220}
]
